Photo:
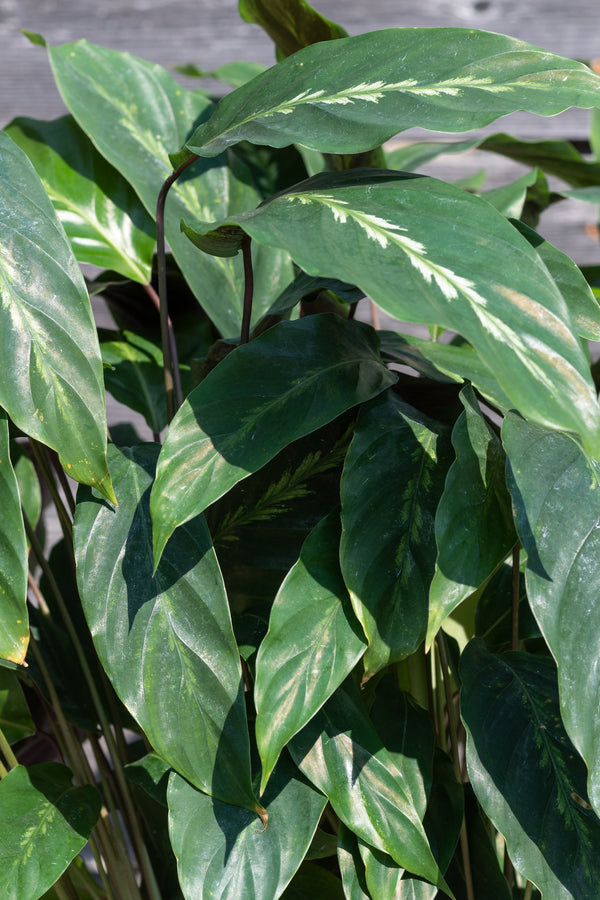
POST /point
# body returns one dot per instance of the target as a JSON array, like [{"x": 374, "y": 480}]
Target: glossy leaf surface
[
  {"x": 14, "y": 629},
  {"x": 136, "y": 114},
  {"x": 45, "y": 823},
  {"x": 165, "y": 640},
  {"x": 291, "y": 24},
  {"x": 526, "y": 773},
  {"x": 352, "y": 868},
  {"x": 377, "y": 84},
  {"x": 379, "y": 230},
  {"x": 225, "y": 853},
  {"x": 51, "y": 374},
  {"x": 474, "y": 528},
  {"x": 100, "y": 212},
  {"x": 313, "y": 643},
  {"x": 342, "y": 755},
  {"x": 392, "y": 482},
  {"x": 234, "y": 422},
  {"x": 556, "y": 495}
]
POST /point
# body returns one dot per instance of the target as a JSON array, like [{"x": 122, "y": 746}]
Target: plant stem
[
  {"x": 172, "y": 343},
  {"x": 516, "y": 587},
  {"x": 41, "y": 457},
  {"x": 161, "y": 259},
  {"x": 63, "y": 480},
  {"x": 7, "y": 752},
  {"x": 248, "y": 288},
  {"x": 528, "y": 891}
]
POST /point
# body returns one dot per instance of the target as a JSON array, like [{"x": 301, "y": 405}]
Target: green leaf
[
  {"x": 377, "y": 84},
  {"x": 100, "y": 212},
  {"x": 509, "y": 199},
  {"x": 526, "y": 773},
  {"x": 559, "y": 158},
  {"x": 151, "y": 773},
  {"x": 291, "y": 24},
  {"x": 136, "y": 376},
  {"x": 411, "y": 157},
  {"x": 30, "y": 491},
  {"x": 165, "y": 640},
  {"x": 556, "y": 496},
  {"x": 14, "y": 629},
  {"x": 234, "y": 74},
  {"x": 51, "y": 376},
  {"x": 393, "y": 479},
  {"x": 441, "y": 245},
  {"x": 225, "y": 853},
  {"x": 136, "y": 114},
  {"x": 313, "y": 882},
  {"x": 474, "y": 529},
  {"x": 343, "y": 756},
  {"x": 352, "y": 868},
  {"x": 312, "y": 645},
  {"x": 45, "y": 823},
  {"x": 233, "y": 423},
  {"x": 15, "y": 718}
]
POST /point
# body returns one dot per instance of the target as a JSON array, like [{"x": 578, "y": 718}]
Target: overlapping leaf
[
  {"x": 14, "y": 621},
  {"x": 313, "y": 643},
  {"x": 474, "y": 528},
  {"x": 136, "y": 113},
  {"x": 526, "y": 773},
  {"x": 45, "y": 823},
  {"x": 428, "y": 252},
  {"x": 377, "y": 84},
  {"x": 136, "y": 376},
  {"x": 291, "y": 24},
  {"x": 165, "y": 640},
  {"x": 51, "y": 374},
  {"x": 392, "y": 482},
  {"x": 225, "y": 853},
  {"x": 100, "y": 212},
  {"x": 15, "y": 718},
  {"x": 342, "y": 755},
  {"x": 556, "y": 495},
  {"x": 288, "y": 382}
]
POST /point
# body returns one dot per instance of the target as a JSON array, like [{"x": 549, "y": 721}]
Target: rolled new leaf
[
  {"x": 426, "y": 251},
  {"x": 374, "y": 85}
]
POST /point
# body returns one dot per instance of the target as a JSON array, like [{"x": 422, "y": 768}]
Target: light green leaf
[
  {"x": 313, "y": 643},
  {"x": 509, "y": 199},
  {"x": 311, "y": 371},
  {"x": 556, "y": 495},
  {"x": 45, "y": 823},
  {"x": 100, "y": 212},
  {"x": 165, "y": 640},
  {"x": 392, "y": 482},
  {"x": 342, "y": 755},
  {"x": 15, "y": 718},
  {"x": 377, "y": 84},
  {"x": 559, "y": 158},
  {"x": 136, "y": 114},
  {"x": 352, "y": 868},
  {"x": 225, "y": 853},
  {"x": 14, "y": 620},
  {"x": 380, "y": 229},
  {"x": 51, "y": 375},
  {"x": 526, "y": 773},
  {"x": 474, "y": 529},
  {"x": 234, "y": 74}
]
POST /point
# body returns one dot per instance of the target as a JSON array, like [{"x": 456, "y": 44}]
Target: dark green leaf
[
  {"x": 136, "y": 113},
  {"x": 136, "y": 376},
  {"x": 474, "y": 529},
  {"x": 51, "y": 375},
  {"x": 165, "y": 640},
  {"x": 45, "y": 823},
  {"x": 291, "y": 24},
  {"x": 15, "y": 718},
  {"x": 14, "y": 629},
  {"x": 426, "y": 251},
  {"x": 312, "y": 882},
  {"x": 312, "y": 645},
  {"x": 30, "y": 492},
  {"x": 234, "y": 422},
  {"x": 559, "y": 158},
  {"x": 343, "y": 756},
  {"x": 392, "y": 482},
  {"x": 374, "y": 85},
  {"x": 556, "y": 495},
  {"x": 526, "y": 773},
  {"x": 445, "y": 809},
  {"x": 151, "y": 773},
  {"x": 225, "y": 853},
  {"x": 100, "y": 212}
]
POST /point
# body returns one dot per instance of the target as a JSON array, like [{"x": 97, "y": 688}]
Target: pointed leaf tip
[{"x": 35, "y": 38}]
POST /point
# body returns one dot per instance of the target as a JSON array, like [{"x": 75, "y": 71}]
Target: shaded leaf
[
  {"x": 556, "y": 496},
  {"x": 51, "y": 376},
  {"x": 100, "y": 212},
  {"x": 225, "y": 853},
  {"x": 352, "y": 868},
  {"x": 30, "y": 491},
  {"x": 14, "y": 621},
  {"x": 15, "y": 718},
  {"x": 559, "y": 158},
  {"x": 525, "y": 771},
  {"x": 313, "y": 882},
  {"x": 233, "y": 423},
  {"x": 312, "y": 645},
  {"x": 380, "y": 229},
  {"x": 45, "y": 823},
  {"x": 135, "y": 376},
  {"x": 165, "y": 640},
  {"x": 393, "y": 479},
  {"x": 474, "y": 529},
  {"x": 291, "y": 24}
]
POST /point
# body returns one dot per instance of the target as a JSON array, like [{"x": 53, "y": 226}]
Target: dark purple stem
[{"x": 248, "y": 288}]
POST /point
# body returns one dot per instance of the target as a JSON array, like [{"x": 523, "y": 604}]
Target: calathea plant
[{"x": 330, "y": 627}]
